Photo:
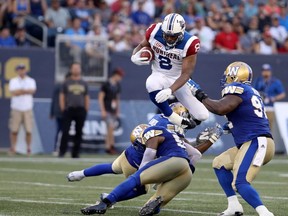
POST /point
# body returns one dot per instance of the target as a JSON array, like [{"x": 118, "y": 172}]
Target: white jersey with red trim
[{"x": 168, "y": 61}]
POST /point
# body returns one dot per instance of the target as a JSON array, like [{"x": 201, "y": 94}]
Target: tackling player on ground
[
  {"x": 175, "y": 55},
  {"x": 237, "y": 167}
]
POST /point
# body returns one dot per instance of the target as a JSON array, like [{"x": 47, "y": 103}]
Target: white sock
[
  {"x": 175, "y": 119},
  {"x": 233, "y": 200},
  {"x": 82, "y": 173},
  {"x": 262, "y": 210}
]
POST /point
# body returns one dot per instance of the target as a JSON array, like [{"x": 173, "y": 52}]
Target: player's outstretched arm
[{"x": 220, "y": 107}]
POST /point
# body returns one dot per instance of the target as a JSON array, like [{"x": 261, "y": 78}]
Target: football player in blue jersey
[
  {"x": 175, "y": 55},
  {"x": 170, "y": 151},
  {"x": 237, "y": 167}
]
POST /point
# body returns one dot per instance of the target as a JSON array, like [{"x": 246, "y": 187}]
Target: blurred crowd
[{"x": 225, "y": 26}]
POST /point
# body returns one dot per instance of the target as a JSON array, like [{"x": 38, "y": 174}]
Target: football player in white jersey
[{"x": 175, "y": 53}]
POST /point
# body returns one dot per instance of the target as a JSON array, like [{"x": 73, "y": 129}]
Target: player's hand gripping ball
[{"x": 147, "y": 52}]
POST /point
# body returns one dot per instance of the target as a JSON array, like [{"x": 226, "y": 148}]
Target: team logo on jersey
[
  {"x": 233, "y": 71},
  {"x": 151, "y": 134},
  {"x": 169, "y": 54}
]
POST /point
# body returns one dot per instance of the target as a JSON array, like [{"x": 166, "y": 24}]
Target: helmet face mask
[
  {"x": 173, "y": 28},
  {"x": 182, "y": 111},
  {"x": 237, "y": 72},
  {"x": 178, "y": 108}
]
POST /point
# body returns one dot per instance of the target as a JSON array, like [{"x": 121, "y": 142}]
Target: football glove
[
  {"x": 211, "y": 133},
  {"x": 136, "y": 59},
  {"x": 227, "y": 127},
  {"x": 163, "y": 95},
  {"x": 196, "y": 90}
]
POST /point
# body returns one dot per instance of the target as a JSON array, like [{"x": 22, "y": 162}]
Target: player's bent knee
[
  {"x": 217, "y": 163},
  {"x": 202, "y": 116}
]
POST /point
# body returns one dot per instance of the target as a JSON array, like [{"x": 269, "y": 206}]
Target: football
[{"x": 147, "y": 52}]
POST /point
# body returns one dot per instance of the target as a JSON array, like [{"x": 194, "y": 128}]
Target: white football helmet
[{"x": 173, "y": 28}]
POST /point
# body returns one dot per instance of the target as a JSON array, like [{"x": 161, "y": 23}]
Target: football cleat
[
  {"x": 232, "y": 214},
  {"x": 102, "y": 197},
  {"x": 75, "y": 176},
  {"x": 236, "y": 211},
  {"x": 152, "y": 207},
  {"x": 99, "y": 208}
]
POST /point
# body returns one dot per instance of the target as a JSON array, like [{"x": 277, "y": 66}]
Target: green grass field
[{"x": 37, "y": 186}]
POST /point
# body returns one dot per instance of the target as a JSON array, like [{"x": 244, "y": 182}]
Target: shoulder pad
[
  {"x": 151, "y": 133},
  {"x": 232, "y": 89}
]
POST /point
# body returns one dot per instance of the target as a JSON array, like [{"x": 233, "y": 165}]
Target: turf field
[{"x": 37, "y": 186}]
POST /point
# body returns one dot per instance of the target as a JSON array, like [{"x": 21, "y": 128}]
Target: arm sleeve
[
  {"x": 193, "y": 153},
  {"x": 148, "y": 156}
]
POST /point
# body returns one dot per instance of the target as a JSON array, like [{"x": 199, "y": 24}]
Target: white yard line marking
[
  {"x": 87, "y": 204},
  {"x": 64, "y": 173},
  {"x": 110, "y": 188}
]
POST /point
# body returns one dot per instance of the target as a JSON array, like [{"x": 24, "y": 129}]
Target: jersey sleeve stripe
[
  {"x": 188, "y": 50},
  {"x": 149, "y": 31}
]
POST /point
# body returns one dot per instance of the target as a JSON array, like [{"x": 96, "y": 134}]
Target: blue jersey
[
  {"x": 161, "y": 120},
  {"x": 249, "y": 119},
  {"x": 172, "y": 146}
]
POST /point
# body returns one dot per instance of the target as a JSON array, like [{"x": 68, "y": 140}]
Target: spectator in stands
[
  {"x": 118, "y": 42},
  {"x": 125, "y": 13},
  {"x": 136, "y": 35},
  {"x": 19, "y": 9},
  {"x": 283, "y": 17},
  {"x": 148, "y": 7},
  {"x": 20, "y": 38},
  {"x": 227, "y": 40},
  {"x": 271, "y": 89},
  {"x": 109, "y": 102},
  {"x": 74, "y": 104},
  {"x": 245, "y": 41},
  {"x": 56, "y": 113},
  {"x": 104, "y": 12},
  {"x": 266, "y": 45},
  {"x": 204, "y": 33},
  {"x": 215, "y": 18},
  {"x": 271, "y": 7},
  {"x": 250, "y": 9},
  {"x": 3, "y": 10},
  {"x": 57, "y": 19},
  {"x": 38, "y": 9},
  {"x": 82, "y": 12},
  {"x": 22, "y": 88},
  {"x": 75, "y": 46},
  {"x": 277, "y": 31},
  {"x": 116, "y": 23},
  {"x": 190, "y": 16},
  {"x": 94, "y": 50},
  {"x": 140, "y": 17},
  {"x": 264, "y": 19},
  {"x": 6, "y": 39},
  {"x": 253, "y": 31},
  {"x": 284, "y": 48}
]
